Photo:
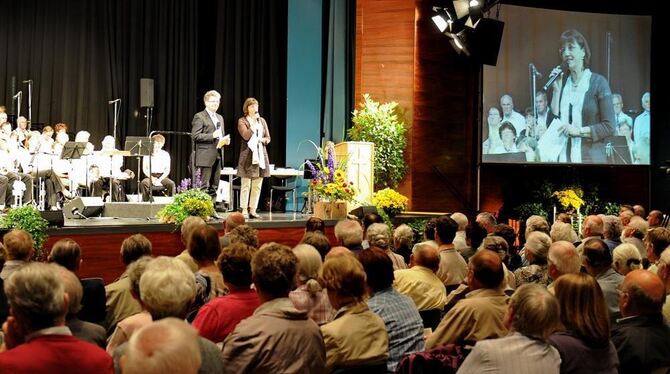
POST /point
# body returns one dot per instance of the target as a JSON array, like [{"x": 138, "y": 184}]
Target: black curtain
[{"x": 81, "y": 54}]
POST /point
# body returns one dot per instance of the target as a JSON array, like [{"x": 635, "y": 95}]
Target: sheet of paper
[{"x": 552, "y": 142}]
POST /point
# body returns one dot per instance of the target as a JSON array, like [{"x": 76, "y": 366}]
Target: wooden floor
[{"x": 100, "y": 238}]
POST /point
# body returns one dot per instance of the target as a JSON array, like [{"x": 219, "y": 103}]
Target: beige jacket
[
  {"x": 356, "y": 336},
  {"x": 120, "y": 303}
]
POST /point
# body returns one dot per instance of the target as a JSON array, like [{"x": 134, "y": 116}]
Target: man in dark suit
[{"x": 207, "y": 134}]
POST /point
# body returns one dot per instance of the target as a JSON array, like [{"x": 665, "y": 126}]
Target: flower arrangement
[
  {"x": 390, "y": 201},
  {"x": 193, "y": 202},
  {"x": 570, "y": 198},
  {"x": 329, "y": 178}
]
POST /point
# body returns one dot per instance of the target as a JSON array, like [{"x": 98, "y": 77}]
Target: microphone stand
[
  {"x": 533, "y": 90},
  {"x": 17, "y": 97},
  {"x": 30, "y": 102},
  {"x": 117, "y": 105}
]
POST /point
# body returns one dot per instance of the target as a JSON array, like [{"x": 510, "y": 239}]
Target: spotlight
[{"x": 442, "y": 19}]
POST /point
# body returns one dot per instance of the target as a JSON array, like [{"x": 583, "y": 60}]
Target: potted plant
[
  {"x": 382, "y": 125},
  {"x": 192, "y": 202},
  {"x": 330, "y": 186},
  {"x": 389, "y": 201},
  {"x": 27, "y": 218}
]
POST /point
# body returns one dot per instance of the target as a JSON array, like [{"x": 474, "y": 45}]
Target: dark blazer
[
  {"x": 245, "y": 168},
  {"x": 643, "y": 343},
  {"x": 93, "y": 300},
  {"x": 205, "y": 144}
]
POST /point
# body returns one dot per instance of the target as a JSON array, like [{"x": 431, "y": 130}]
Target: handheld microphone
[
  {"x": 534, "y": 70},
  {"x": 113, "y": 101},
  {"x": 553, "y": 77}
]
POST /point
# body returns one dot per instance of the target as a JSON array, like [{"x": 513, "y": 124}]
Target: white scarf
[
  {"x": 254, "y": 143},
  {"x": 574, "y": 94}
]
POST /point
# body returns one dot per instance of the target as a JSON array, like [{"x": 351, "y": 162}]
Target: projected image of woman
[
  {"x": 583, "y": 101},
  {"x": 494, "y": 118}
]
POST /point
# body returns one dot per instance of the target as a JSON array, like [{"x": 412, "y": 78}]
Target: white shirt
[
  {"x": 214, "y": 117},
  {"x": 517, "y": 120},
  {"x": 160, "y": 163},
  {"x": 641, "y": 137}
]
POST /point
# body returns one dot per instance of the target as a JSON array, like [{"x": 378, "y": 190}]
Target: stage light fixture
[
  {"x": 462, "y": 8},
  {"x": 442, "y": 19}
]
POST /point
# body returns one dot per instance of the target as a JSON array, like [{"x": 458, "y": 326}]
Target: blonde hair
[
  {"x": 404, "y": 235},
  {"x": 626, "y": 258},
  {"x": 247, "y": 102},
  {"x": 379, "y": 235},
  {"x": 18, "y": 244},
  {"x": 211, "y": 93}
]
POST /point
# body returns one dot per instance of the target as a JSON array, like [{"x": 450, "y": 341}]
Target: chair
[{"x": 284, "y": 186}]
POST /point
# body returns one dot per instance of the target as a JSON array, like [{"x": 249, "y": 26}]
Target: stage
[{"x": 100, "y": 238}]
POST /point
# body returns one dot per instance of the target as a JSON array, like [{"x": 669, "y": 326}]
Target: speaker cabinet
[
  {"x": 485, "y": 41},
  {"x": 361, "y": 211},
  {"x": 146, "y": 93},
  {"x": 86, "y": 206}
]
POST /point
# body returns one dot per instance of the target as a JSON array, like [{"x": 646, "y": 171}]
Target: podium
[{"x": 359, "y": 157}]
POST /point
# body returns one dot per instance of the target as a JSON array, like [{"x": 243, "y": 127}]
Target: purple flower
[{"x": 331, "y": 162}]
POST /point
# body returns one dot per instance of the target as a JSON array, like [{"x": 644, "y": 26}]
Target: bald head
[
  {"x": 338, "y": 251},
  {"x": 655, "y": 218},
  {"x": 233, "y": 220},
  {"x": 486, "y": 270},
  {"x": 593, "y": 226},
  {"x": 426, "y": 256},
  {"x": 643, "y": 294},
  {"x": 563, "y": 259}
]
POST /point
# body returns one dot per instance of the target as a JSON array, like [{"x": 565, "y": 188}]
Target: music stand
[
  {"x": 139, "y": 146},
  {"x": 72, "y": 151}
]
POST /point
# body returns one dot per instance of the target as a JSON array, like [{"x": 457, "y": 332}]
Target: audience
[
  {"x": 378, "y": 235},
  {"x": 591, "y": 229},
  {"x": 314, "y": 224},
  {"x": 203, "y": 246},
  {"x": 634, "y": 234},
  {"x": 499, "y": 245},
  {"x": 403, "y": 240},
  {"x": 356, "y": 336},
  {"x": 419, "y": 282},
  {"x": 36, "y": 339},
  {"x": 190, "y": 223},
  {"x": 277, "y": 337},
  {"x": 640, "y": 337},
  {"x": 474, "y": 235},
  {"x": 460, "y": 242},
  {"x": 656, "y": 241},
  {"x": 664, "y": 274},
  {"x": 612, "y": 228},
  {"x": 369, "y": 219},
  {"x": 309, "y": 296},
  {"x": 218, "y": 318},
  {"x": 639, "y": 211},
  {"x": 584, "y": 342},
  {"x": 487, "y": 221},
  {"x": 453, "y": 267},
  {"x": 244, "y": 234},
  {"x": 167, "y": 346},
  {"x": 598, "y": 263},
  {"x": 655, "y": 218},
  {"x": 626, "y": 258},
  {"x": 532, "y": 315},
  {"x": 536, "y": 250},
  {"x": 19, "y": 247},
  {"x": 317, "y": 240},
  {"x": 536, "y": 223},
  {"x": 562, "y": 259},
  {"x": 404, "y": 325},
  {"x": 349, "y": 233},
  {"x": 561, "y": 231},
  {"x": 428, "y": 235},
  {"x": 512, "y": 259},
  {"x": 480, "y": 314},
  {"x": 233, "y": 220}
]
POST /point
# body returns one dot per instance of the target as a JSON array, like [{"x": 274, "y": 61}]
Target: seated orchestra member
[
  {"x": 109, "y": 165},
  {"x": 9, "y": 173},
  {"x": 21, "y": 130},
  {"x": 160, "y": 168},
  {"x": 78, "y": 175}
]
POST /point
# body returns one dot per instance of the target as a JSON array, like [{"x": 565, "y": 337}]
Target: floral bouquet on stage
[
  {"x": 329, "y": 178},
  {"x": 192, "y": 202},
  {"x": 390, "y": 201},
  {"x": 570, "y": 198}
]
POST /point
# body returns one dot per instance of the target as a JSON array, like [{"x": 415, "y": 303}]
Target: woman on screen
[
  {"x": 507, "y": 134},
  {"x": 493, "y": 141},
  {"x": 583, "y": 101},
  {"x": 253, "y": 164}
]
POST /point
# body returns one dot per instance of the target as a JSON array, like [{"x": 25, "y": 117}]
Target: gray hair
[
  {"x": 135, "y": 271},
  {"x": 536, "y": 311},
  {"x": 309, "y": 264},
  {"x": 626, "y": 258},
  {"x": 379, "y": 235},
  {"x": 494, "y": 243},
  {"x": 639, "y": 224},
  {"x": 612, "y": 227},
  {"x": 461, "y": 219},
  {"x": 563, "y": 231},
  {"x": 404, "y": 235},
  {"x": 166, "y": 346},
  {"x": 72, "y": 287},
  {"x": 36, "y": 293},
  {"x": 565, "y": 258},
  {"x": 536, "y": 223},
  {"x": 349, "y": 232},
  {"x": 167, "y": 287},
  {"x": 538, "y": 244}
]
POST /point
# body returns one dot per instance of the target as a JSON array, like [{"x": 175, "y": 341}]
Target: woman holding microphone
[{"x": 253, "y": 163}]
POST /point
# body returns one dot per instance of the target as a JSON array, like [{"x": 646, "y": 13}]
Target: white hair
[
  {"x": 565, "y": 258},
  {"x": 538, "y": 244},
  {"x": 309, "y": 264},
  {"x": 461, "y": 219},
  {"x": 349, "y": 232},
  {"x": 404, "y": 235},
  {"x": 166, "y": 346},
  {"x": 82, "y": 136},
  {"x": 563, "y": 231},
  {"x": 639, "y": 224},
  {"x": 211, "y": 93},
  {"x": 167, "y": 287},
  {"x": 378, "y": 235},
  {"x": 535, "y": 223},
  {"x": 626, "y": 258}
]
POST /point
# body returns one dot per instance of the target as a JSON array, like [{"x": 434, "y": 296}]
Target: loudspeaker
[
  {"x": 146, "y": 93},
  {"x": 83, "y": 206},
  {"x": 54, "y": 217},
  {"x": 361, "y": 211},
  {"x": 484, "y": 42}
]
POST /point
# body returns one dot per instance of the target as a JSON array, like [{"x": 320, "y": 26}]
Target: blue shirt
[{"x": 403, "y": 324}]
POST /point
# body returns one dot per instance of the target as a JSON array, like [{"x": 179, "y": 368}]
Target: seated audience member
[
  {"x": 634, "y": 233},
  {"x": 656, "y": 241},
  {"x": 625, "y": 215},
  {"x": 19, "y": 247},
  {"x": 203, "y": 246},
  {"x": 218, "y": 318},
  {"x": 480, "y": 314},
  {"x": 639, "y": 211},
  {"x": 315, "y": 224},
  {"x": 498, "y": 245},
  {"x": 561, "y": 231},
  {"x": 276, "y": 326},
  {"x": 664, "y": 274},
  {"x": 167, "y": 289},
  {"x": 186, "y": 229},
  {"x": 428, "y": 235},
  {"x": 655, "y": 218},
  {"x": 318, "y": 241},
  {"x": 626, "y": 258},
  {"x": 403, "y": 240},
  {"x": 338, "y": 251},
  {"x": 233, "y": 220},
  {"x": 598, "y": 263},
  {"x": 419, "y": 282},
  {"x": 120, "y": 302},
  {"x": 67, "y": 253},
  {"x": 562, "y": 259},
  {"x": 584, "y": 342},
  {"x": 356, "y": 336},
  {"x": 512, "y": 259},
  {"x": 369, "y": 219},
  {"x": 459, "y": 240},
  {"x": 536, "y": 250},
  {"x": 244, "y": 234},
  {"x": 166, "y": 346},
  {"x": 309, "y": 296},
  {"x": 453, "y": 267},
  {"x": 378, "y": 235},
  {"x": 591, "y": 229},
  {"x": 36, "y": 339},
  {"x": 349, "y": 233},
  {"x": 640, "y": 337},
  {"x": 532, "y": 316},
  {"x": 126, "y": 327},
  {"x": 474, "y": 236},
  {"x": 612, "y": 231},
  {"x": 86, "y": 331},
  {"x": 536, "y": 223},
  {"x": 404, "y": 325},
  {"x": 487, "y": 221}
]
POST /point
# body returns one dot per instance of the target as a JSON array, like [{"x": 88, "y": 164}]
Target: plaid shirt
[{"x": 403, "y": 324}]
